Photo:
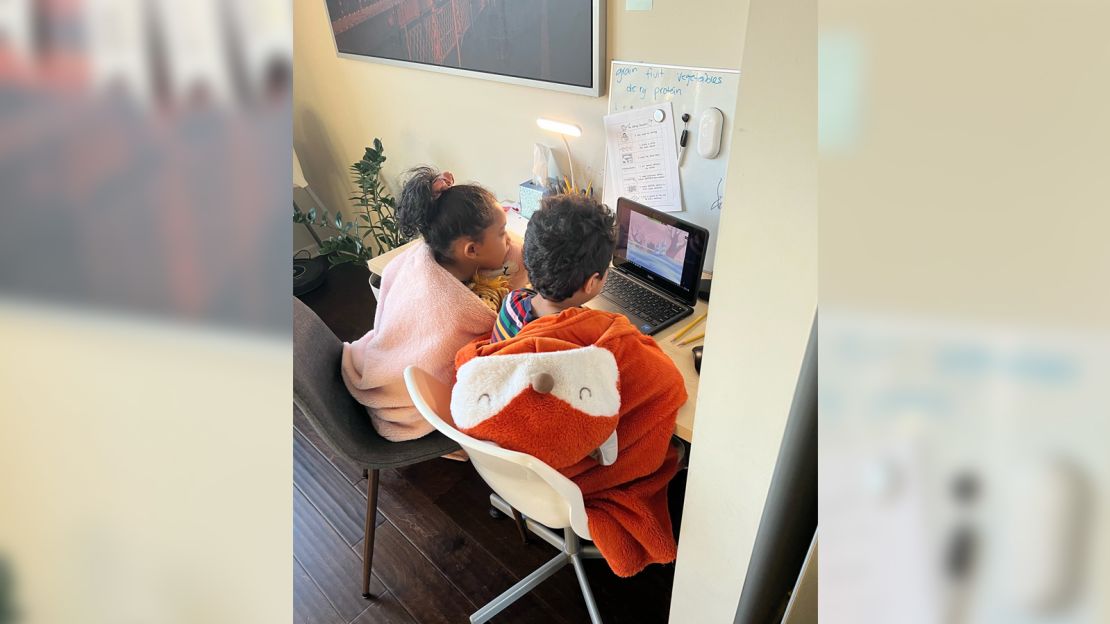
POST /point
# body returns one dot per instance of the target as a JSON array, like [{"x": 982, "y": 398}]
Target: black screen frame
[{"x": 696, "y": 248}]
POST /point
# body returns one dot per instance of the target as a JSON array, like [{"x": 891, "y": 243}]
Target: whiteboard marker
[{"x": 682, "y": 139}]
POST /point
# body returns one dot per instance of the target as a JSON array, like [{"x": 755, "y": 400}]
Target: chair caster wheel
[{"x": 495, "y": 513}]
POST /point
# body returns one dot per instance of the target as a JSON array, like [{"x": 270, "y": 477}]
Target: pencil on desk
[
  {"x": 682, "y": 332},
  {"x": 692, "y": 339}
]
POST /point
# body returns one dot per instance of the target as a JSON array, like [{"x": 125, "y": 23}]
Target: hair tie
[{"x": 441, "y": 183}]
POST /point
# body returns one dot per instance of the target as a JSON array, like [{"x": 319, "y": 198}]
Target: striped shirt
[{"x": 516, "y": 311}]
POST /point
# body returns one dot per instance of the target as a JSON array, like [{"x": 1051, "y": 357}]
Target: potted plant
[
  {"x": 374, "y": 230},
  {"x": 377, "y": 206}
]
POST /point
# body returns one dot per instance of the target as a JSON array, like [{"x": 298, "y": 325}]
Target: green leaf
[
  {"x": 373, "y": 197},
  {"x": 338, "y": 220},
  {"x": 312, "y": 214}
]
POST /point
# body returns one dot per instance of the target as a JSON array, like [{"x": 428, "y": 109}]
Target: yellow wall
[
  {"x": 480, "y": 129},
  {"x": 764, "y": 299}
]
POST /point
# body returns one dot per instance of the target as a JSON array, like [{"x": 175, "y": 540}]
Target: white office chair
[{"x": 547, "y": 498}]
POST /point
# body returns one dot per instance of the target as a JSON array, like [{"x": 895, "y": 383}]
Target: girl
[{"x": 436, "y": 296}]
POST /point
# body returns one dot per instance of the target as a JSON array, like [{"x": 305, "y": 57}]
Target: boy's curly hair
[{"x": 569, "y": 238}]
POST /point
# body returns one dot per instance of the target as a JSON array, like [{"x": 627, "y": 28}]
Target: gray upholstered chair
[{"x": 319, "y": 393}]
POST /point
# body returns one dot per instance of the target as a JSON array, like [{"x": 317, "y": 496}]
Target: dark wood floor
[{"x": 438, "y": 554}]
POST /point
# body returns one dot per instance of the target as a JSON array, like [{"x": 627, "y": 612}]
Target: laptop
[{"x": 656, "y": 267}]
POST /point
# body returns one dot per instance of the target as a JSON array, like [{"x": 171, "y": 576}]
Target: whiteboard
[{"x": 689, "y": 90}]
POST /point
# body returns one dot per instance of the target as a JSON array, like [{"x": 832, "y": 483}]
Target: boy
[
  {"x": 582, "y": 390},
  {"x": 567, "y": 250}
]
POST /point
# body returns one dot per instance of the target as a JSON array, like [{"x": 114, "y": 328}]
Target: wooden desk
[
  {"x": 377, "y": 264},
  {"x": 683, "y": 357}
]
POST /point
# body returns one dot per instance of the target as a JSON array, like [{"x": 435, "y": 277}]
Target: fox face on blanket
[
  {"x": 528, "y": 399},
  {"x": 588, "y": 394}
]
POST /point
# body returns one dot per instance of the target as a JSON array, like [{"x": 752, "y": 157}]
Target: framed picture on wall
[{"x": 552, "y": 44}]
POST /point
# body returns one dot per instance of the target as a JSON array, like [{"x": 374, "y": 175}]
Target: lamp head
[{"x": 559, "y": 127}]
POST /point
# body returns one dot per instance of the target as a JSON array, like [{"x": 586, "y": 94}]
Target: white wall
[
  {"x": 764, "y": 299},
  {"x": 481, "y": 130}
]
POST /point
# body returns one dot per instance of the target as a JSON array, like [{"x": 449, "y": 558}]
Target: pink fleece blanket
[{"x": 424, "y": 316}]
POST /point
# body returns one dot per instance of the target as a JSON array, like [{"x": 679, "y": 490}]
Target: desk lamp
[{"x": 563, "y": 130}]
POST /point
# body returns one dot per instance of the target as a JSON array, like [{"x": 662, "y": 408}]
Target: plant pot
[
  {"x": 308, "y": 274},
  {"x": 375, "y": 285}
]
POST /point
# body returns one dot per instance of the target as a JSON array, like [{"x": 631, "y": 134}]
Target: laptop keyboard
[{"x": 640, "y": 300}]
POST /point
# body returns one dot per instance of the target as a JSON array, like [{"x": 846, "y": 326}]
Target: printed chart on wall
[{"x": 687, "y": 90}]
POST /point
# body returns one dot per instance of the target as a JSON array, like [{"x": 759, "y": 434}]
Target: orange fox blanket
[{"x": 588, "y": 394}]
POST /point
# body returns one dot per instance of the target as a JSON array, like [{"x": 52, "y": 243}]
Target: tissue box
[{"x": 530, "y": 196}]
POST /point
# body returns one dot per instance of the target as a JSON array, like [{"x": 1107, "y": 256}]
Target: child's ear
[
  {"x": 470, "y": 249},
  {"x": 595, "y": 284}
]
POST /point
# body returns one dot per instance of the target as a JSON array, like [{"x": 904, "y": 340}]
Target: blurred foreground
[
  {"x": 144, "y": 311},
  {"x": 965, "y": 352}
]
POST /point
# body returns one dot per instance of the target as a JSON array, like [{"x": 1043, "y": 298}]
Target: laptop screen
[{"x": 665, "y": 251}]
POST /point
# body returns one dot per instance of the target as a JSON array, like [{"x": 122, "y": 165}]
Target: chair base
[{"x": 572, "y": 553}]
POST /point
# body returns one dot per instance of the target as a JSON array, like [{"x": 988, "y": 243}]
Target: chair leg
[
  {"x": 520, "y": 525},
  {"x": 591, "y": 604},
  {"x": 590, "y": 551},
  {"x": 497, "y": 514},
  {"x": 371, "y": 523},
  {"x": 574, "y": 550},
  {"x": 537, "y": 529},
  {"x": 498, "y": 604}
]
